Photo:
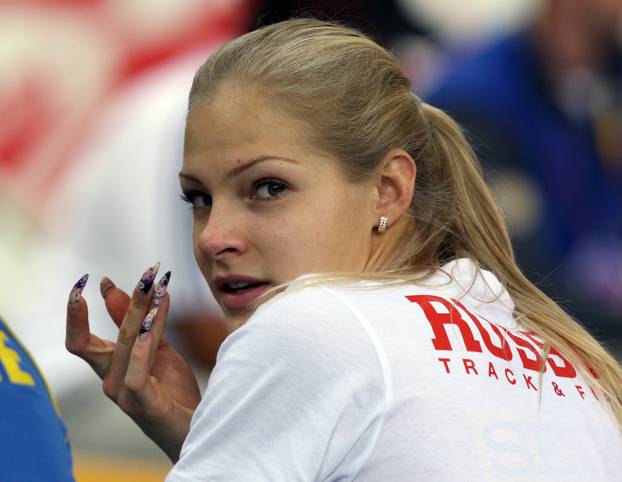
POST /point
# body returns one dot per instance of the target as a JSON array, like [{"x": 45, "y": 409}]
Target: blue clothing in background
[
  {"x": 518, "y": 122},
  {"x": 33, "y": 438}
]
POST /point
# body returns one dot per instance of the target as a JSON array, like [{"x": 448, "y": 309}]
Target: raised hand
[{"x": 142, "y": 374}]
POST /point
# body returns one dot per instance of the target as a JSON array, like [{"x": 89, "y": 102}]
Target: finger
[
  {"x": 158, "y": 325},
  {"x": 136, "y": 310},
  {"x": 134, "y": 316},
  {"x": 141, "y": 359},
  {"x": 77, "y": 328},
  {"x": 117, "y": 301},
  {"x": 143, "y": 387},
  {"x": 159, "y": 297},
  {"x": 78, "y": 339},
  {"x": 139, "y": 367},
  {"x": 138, "y": 378}
]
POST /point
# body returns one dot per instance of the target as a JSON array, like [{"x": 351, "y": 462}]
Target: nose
[{"x": 220, "y": 236}]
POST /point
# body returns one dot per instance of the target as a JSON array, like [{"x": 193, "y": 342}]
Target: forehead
[
  {"x": 237, "y": 124},
  {"x": 240, "y": 115}
]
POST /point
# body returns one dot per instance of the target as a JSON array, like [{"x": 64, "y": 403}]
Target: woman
[{"x": 419, "y": 350}]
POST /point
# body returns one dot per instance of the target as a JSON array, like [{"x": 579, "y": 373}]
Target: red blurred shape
[{"x": 28, "y": 115}]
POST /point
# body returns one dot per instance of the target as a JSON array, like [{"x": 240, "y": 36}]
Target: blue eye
[
  {"x": 269, "y": 189},
  {"x": 197, "y": 199}
]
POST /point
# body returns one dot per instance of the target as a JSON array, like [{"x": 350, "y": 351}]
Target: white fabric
[{"x": 344, "y": 383}]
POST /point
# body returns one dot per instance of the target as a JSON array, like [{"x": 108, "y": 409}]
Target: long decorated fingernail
[
  {"x": 145, "y": 326},
  {"x": 105, "y": 286},
  {"x": 158, "y": 296},
  {"x": 144, "y": 285},
  {"x": 160, "y": 290},
  {"x": 76, "y": 292}
]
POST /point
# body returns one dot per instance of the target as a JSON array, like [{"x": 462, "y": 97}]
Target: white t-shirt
[{"x": 347, "y": 383}]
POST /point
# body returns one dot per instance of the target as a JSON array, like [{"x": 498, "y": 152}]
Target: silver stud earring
[{"x": 382, "y": 225}]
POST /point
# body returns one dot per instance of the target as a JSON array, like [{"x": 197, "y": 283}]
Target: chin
[{"x": 237, "y": 319}]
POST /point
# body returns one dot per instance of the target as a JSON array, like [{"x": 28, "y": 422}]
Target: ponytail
[{"x": 477, "y": 231}]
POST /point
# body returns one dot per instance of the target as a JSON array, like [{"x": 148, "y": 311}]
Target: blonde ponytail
[
  {"x": 356, "y": 103},
  {"x": 481, "y": 234}
]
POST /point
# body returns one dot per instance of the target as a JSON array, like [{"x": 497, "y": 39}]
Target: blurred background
[{"x": 93, "y": 100}]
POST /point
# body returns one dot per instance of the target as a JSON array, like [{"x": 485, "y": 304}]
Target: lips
[{"x": 238, "y": 291}]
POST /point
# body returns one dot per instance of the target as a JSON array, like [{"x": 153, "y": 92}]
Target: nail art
[
  {"x": 160, "y": 290},
  {"x": 147, "y": 279},
  {"x": 145, "y": 326},
  {"x": 76, "y": 292},
  {"x": 105, "y": 286},
  {"x": 158, "y": 296}
]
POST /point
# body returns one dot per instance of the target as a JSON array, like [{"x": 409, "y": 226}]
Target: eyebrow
[
  {"x": 247, "y": 165},
  {"x": 242, "y": 167}
]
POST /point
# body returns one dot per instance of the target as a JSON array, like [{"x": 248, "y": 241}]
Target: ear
[{"x": 395, "y": 184}]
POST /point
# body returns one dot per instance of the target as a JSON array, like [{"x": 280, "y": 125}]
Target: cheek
[
  {"x": 289, "y": 248},
  {"x": 315, "y": 243},
  {"x": 348, "y": 234},
  {"x": 278, "y": 240}
]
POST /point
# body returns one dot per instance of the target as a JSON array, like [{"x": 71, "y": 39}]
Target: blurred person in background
[
  {"x": 543, "y": 106},
  {"x": 299, "y": 158},
  {"x": 33, "y": 438}
]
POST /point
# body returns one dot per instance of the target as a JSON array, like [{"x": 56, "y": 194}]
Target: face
[{"x": 267, "y": 206}]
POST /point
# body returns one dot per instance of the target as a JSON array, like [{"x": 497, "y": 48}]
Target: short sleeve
[{"x": 297, "y": 394}]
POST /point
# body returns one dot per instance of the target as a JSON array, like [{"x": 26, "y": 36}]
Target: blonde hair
[{"x": 357, "y": 104}]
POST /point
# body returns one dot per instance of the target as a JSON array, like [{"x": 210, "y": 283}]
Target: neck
[{"x": 387, "y": 246}]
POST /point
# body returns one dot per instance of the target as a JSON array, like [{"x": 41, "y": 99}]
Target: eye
[
  {"x": 269, "y": 189},
  {"x": 197, "y": 199}
]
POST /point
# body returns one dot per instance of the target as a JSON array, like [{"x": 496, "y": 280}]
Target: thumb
[{"x": 117, "y": 301}]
